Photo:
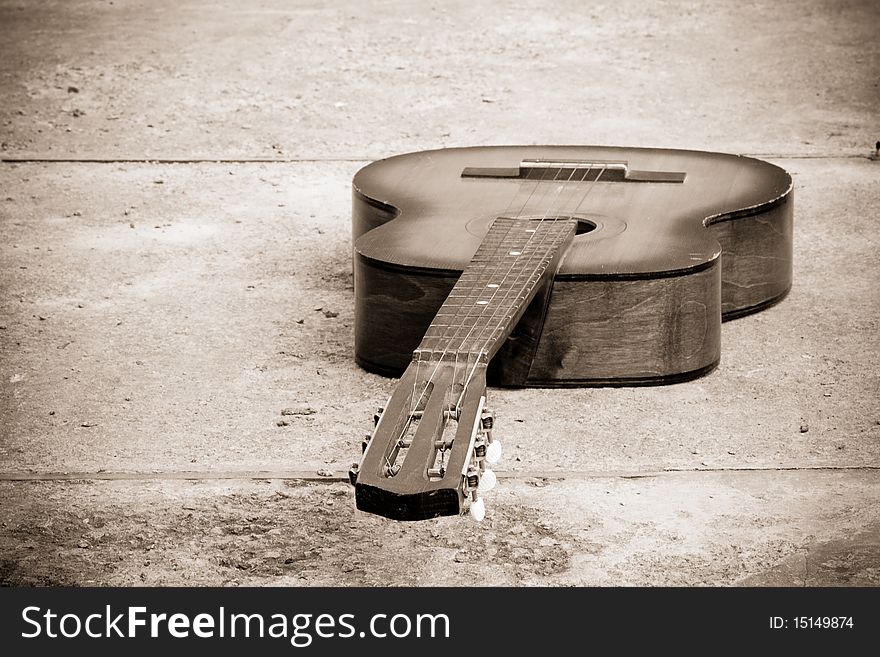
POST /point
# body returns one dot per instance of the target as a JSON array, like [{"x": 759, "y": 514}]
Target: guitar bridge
[{"x": 576, "y": 171}]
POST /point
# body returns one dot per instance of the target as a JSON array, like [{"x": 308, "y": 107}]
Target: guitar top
[{"x": 546, "y": 266}]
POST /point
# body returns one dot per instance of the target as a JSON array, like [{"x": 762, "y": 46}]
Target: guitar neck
[
  {"x": 430, "y": 445},
  {"x": 514, "y": 259}
]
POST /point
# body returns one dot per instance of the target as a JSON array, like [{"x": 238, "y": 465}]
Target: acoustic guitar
[{"x": 543, "y": 266}]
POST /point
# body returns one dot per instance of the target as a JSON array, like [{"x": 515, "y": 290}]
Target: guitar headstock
[{"x": 428, "y": 451}]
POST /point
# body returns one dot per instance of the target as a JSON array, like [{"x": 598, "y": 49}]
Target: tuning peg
[
  {"x": 478, "y": 509},
  {"x": 378, "y": 416},
  {"x": 493, "y": 452},
  {"x": 353, "y": 473},
  {"x": 487, "y": 481},
  {"x": 487, "y": 419},
  {"x": 365, "y": 441},
  {"x": 473, "y": 478}
]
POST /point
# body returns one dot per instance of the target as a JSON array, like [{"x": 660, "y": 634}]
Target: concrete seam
[{"x": 313, "y": 476}]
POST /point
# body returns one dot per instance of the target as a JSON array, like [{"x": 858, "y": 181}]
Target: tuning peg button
[
  {"x": 493, "y": 452},
  {"x": 478, "y": 509},
  {"x": 487, "y": 481}
]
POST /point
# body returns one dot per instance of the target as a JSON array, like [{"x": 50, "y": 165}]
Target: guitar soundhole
[{"x": 584, "y": 226}]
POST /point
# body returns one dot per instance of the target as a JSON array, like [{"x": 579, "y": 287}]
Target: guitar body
[{"x": 669, "y": 243}]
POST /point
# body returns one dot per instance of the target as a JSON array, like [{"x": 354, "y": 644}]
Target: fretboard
[{"x": 514, "y": 259}]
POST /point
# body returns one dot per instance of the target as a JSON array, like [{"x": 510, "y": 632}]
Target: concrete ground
[{"x": 174, "y": 206}]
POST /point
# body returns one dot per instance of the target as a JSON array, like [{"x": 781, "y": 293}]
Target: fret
[{"x": 502, "y": 277}]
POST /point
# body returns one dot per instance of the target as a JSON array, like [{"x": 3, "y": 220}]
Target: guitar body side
[{"x": 639, "y": 300}]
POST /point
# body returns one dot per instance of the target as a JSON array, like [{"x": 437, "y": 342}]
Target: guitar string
[
  {"x": 485, "y": 344},
  {"x": 415, "y": 400},
  {"x": 461, "y": 306},
  {"x": 453, "y": 325},
  {"x": 586, "y": 193},
  {"x": 476, "y": 292},
  {"x": 452, "y": 322},
  {"x": 545, "y": 237},
  {"x": 562, "y": 206},
  {"x": 511, "y": 290},
  {"x": 500, "y": 307},
  {"x": 505, "y": 278}
]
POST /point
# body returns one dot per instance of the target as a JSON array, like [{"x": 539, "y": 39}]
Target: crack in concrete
[
  {"x": 314, "y": 476},
  {"x": 350, "y": 158}
]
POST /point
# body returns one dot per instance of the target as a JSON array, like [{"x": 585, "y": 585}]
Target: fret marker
[
  {"x": 492, "y": 285},
  {"x": 530, "y": 230},
  {"x": 515, "y": 253},
  {"x": 482, "y": 303}
]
